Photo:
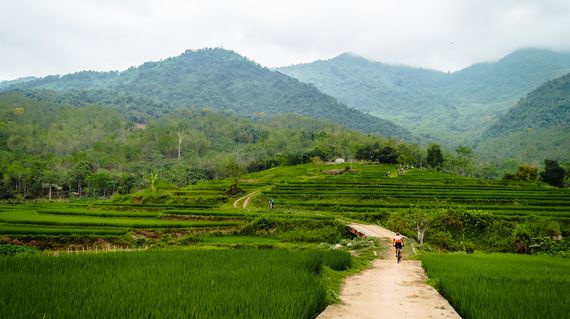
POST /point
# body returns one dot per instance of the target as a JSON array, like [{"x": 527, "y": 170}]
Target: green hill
[
  {"x": 449, "y": 107},
  {"x": 5, "y": 84},
  {"x": 537, "y": 127},
  {"x": 44, "y": 141},
  {"x": 216, "y": 79}
]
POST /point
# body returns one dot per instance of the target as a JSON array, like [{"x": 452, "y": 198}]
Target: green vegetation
[
  {"x": 136, "y": 159},
  {"x": 210, "y": 78},
  {"x": 539, "y": 124},
  {"x": 7, "y": 250},
  {"x": 30, "y": 217},
  {"x": 56, "y": 151},
  {"x": 448, "y": 108},
  {"x": 248, "y": 283},
  {"x": 313, "y": 203},
  {"x": 456, "y": 213},
  {"x": 502, "y": 285}
]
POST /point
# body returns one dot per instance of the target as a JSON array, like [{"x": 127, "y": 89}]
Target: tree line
[{"x": 56, "y": 150}]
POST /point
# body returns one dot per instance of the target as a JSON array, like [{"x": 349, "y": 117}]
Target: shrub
[{"x": 17, "y": 250}]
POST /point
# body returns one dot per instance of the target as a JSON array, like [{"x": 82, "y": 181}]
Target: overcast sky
[{"x": 64, "y": 36}]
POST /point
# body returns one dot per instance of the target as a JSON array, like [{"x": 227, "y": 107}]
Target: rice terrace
[
  {"x": 371, "y": 159},
  {"x": 195, "y": 255}
]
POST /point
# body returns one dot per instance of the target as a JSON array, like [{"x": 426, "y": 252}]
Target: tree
[
  {"x": 388, "y": 155},
  {"x": 180, "y": 135},
  {"x": 524, "y": 173},
  {"x": 434, "y": 156},
  {"x": 101, "y": 184},
  {"x": 51, "y": 179},
  {"x": 79, "y": 173},
  {"x": 462, "y": 164},
  {"x": 126, "y": 183},
  {"x": 419, "y": 220},
  {"x": 234, "y": 171},
  {"x": 365, "y": 152},
  {"x": 553, "y": 174},
  {"x": 152, "y": 181}
]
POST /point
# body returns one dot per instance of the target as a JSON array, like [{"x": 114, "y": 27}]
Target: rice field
[
  {"x": 300, "y": 192},
  {"x": 242, "y": 283},
  {"x": 265, "y": 283},
  {"x": 365, "y": 188},
  {"x": 38, "y": 218},
  {"x": 502, "y": 285}
]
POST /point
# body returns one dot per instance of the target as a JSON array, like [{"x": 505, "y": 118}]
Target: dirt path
[
  {"x": 247, "y": 199},
  {"x": 388, "y": 289}
]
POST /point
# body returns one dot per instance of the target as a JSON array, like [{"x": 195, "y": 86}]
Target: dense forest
[
  {"x": 54, "y": 149},
  {"x": 449, "y": 108},
  {"x": 57, "y": 148},
  {"x": 537, "y": 127},
  {"x": 216, "y": 79}
]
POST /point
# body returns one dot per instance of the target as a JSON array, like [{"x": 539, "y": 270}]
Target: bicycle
[{"x": 399, "y": 254}]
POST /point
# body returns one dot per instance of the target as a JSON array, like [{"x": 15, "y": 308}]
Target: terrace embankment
[{"x": 389, "y": 290}]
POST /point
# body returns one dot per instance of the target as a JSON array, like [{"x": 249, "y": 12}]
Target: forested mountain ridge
[
  {"x": 377, "y": 83},
  {"x": 211, "y": 78},
  {"x": 450, "y": 107},
  {"x": 508, "y": 79},
  {"x": 5, "y": 84},
  {"x": 537, "y": 127},
  {"x": 44, "y": 141}
]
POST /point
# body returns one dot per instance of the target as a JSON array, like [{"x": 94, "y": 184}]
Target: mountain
[
  {"x": 508, "y": 79},
  {"x": 448, "y": 107},
  {"x": 210, "y": 78},
  {"x": 5, "y": 84},
  {"x": 371, "y": 86},
  {"x": 538, "y": 127}
]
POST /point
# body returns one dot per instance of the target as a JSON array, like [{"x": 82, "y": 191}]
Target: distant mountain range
[
  {"x": 538, "y": 127},
  {"x": 217, "y": 79},
  {"x": 483, "y": 105},
  {"x": 450, "y": 108}
]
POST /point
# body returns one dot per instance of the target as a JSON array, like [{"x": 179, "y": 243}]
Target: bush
[{"x": 7, "y": 250}]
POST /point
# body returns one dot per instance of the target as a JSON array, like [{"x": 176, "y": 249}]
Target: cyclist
[{"x": 398, "y": 242}]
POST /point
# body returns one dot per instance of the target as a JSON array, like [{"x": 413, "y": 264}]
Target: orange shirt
[{"x": 398, "y": 239}]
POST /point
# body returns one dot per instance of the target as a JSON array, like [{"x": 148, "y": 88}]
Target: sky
[{"x": 41, "y": 37}]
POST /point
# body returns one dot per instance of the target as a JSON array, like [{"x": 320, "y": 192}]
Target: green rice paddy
[
  {"x": 502, "y": 285},
  {"x": 204, "y": 282},
  {"x": 243, "y": 283}
]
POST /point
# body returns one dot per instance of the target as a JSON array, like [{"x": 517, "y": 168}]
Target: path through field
[
  {"x": 246, "y": 201},
  {"x": 388, "y": 289}
]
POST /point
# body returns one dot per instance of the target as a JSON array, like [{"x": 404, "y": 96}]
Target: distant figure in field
[
  {"x": 388, "y": 174},
  {"x": 271, "y": 203}
]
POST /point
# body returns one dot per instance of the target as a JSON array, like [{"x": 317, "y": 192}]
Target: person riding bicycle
[{"x": 398, "y": 242}]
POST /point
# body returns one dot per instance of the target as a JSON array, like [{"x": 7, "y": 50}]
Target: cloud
[{"x": 63, "y": 36}]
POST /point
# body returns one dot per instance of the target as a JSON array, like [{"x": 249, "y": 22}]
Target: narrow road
[{"x": 388, "y": 289}]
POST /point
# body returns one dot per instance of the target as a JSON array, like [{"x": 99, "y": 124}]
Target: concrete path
[{"x": 388, "y": 290}]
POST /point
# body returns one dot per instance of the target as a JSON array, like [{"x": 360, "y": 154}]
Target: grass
[
  {"x": 97, "y": 213},
  {"x": 247, "y": 283},
  {"x": 502, "y": 285},
  {"x": 32, "y": 217},
  {"x": 15, "y": 229},
  {"x": 238, "y": 240}
]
